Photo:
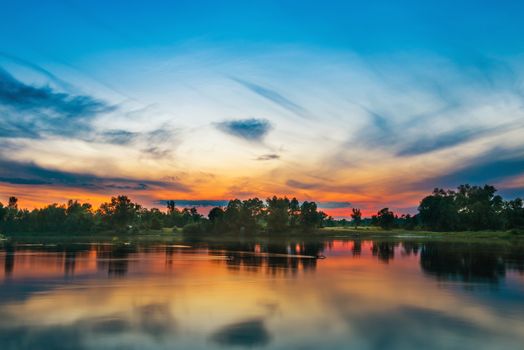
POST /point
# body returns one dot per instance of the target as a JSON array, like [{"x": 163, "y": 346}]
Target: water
[{"x": 279, "y": 295}]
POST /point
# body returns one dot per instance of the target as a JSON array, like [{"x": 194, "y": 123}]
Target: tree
[
  {"x": 216, "y": 219},
  {"x": 439, "y": 211},
  {"x": 385, "y": 218},
  {"x": 513, "y": 212},
  {"x": 294, "y": 212},
  {"x": 278, "y": 214},
  {"x": 310, "y": 218},
  {"x": 478, "y": 207},
  {"x": 171, "y": 207},
  {"x": 356, "y": 215},
  {"x": 120, "y": 213}
]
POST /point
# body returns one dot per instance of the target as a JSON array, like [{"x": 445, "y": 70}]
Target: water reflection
[{"x": 267, "y": 294}]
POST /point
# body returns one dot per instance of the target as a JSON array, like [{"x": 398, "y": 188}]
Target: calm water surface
[{"x": 362, "y": 295}]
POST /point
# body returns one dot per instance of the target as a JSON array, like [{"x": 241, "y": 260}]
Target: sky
[{"x": 350, "y": 104}]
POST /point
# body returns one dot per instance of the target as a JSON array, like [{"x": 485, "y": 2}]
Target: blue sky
[{"x": 369, "y": 103}]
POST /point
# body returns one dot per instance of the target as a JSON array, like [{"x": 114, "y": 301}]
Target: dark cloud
[
  {"x": 19, "y": 173},
  {"x": 274, "y": 97},
  {"x": 197, "y": 202},
  {"x": 302, "y": 185},
  {"x": 248, "y": 129},
  {"x": 247, "y": 333},
  {"x": 491, "y": 167},
  {"x": 449, "y": 139},
  {"x": 268, "y": 157},
  {"x": 334, "y": 205},
  {"x": 438, "y": 142},
  {"x": 28, "y": 111},
  {"x": 405, "y": 139},
  {"x": 118, "y": 137}
]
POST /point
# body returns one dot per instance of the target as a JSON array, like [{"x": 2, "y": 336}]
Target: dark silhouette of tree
[
  {"x": 310, "y": 217},
  {"x": 216, "y": 219},
  {"x": 13, "y": 203},
  {"x": 385, "y": 218},
  {"x": 171, "y": 207},
  {"x": 513, "y": 214},
  {"x": 120, "y": 213},
  {"x": 356, "y": 215},
  {"x": 278, "y": 214},
  {"x": 294, "y": 213},
  {"x": 439, "y": 211}
]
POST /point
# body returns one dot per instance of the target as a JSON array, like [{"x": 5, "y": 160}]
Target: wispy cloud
[
  {"x": 273, "y": 96},
  {"x": 491, "y": 167},
  {"x": 31, "y": 110},
  {"x": 334, "y": 205},
  {"x": 249, "y": 129},
  {"x": 268, "y": 157},
  {"x": 19, "y": 173},
  {"x": 186, "y": 203},
  {"x": 303, "y": 185}
]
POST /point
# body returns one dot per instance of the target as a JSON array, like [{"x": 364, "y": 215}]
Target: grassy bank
[{"x": 169, "y": 235}]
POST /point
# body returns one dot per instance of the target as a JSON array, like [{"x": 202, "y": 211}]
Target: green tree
[
  {"x": 439, "y": 211},
  {"x": 278, "y": 214},
  {"x": 356, "y": 215},
  {"x": 385, "y": 218},
  {"x": 310, "y": 217},
  {"x": 120, "y": 213}
]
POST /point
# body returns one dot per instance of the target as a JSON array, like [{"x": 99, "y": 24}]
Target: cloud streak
[
  {"x": 18, "y": 173},
  {"x": 30, "y": 111},
  {"x": 273, "y": 96}
]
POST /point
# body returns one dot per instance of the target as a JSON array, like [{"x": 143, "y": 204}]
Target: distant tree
[
  {"x": 385, "y": 218},
  {"x": 479, "y": 208},
  {"x": 120, "y": 213},
  {"x": 407, "y": 221},
  {"x": 171, "y": 207},
  {"x": 294, "y": 212},
  {"x": 356, "y": 215},
  {"x": 440, "y": 211},
  {"x": 310, "y": 218},
  {"x": 278, "y": 214},
  {"x": 216, "y": 219},
  {"x": 13, "y": 203},
  {"x": 78, "y": 217},
  {"x": 513, "y": 214}
]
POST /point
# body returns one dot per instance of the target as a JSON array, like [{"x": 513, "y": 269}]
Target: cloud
[
  {"x": 18, "y": 173},
  {"x": 334, "y": 205},
  {"x": 268, "y": 157},
  {"x": 186, "y": 203},
  {"x": 302, "y": 185},
  {"x": 490, "y": 167},
  {"x": 248, "y": 129},
  {"x": 37, "y": 68},
  {"x": 30, "y": 110},
  {"x": 118, "y": 137},
  {"x": 273, "y": 96}
]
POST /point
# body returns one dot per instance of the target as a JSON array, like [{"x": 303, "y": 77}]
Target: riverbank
[{"x": 168, "y": 235}]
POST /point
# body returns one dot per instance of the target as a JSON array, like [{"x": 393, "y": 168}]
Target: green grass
[{"x": 169, "y": 235}]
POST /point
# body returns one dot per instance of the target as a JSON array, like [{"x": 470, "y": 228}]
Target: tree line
[
  {"x": 121, "y": 214},
  {"x": 467, "y": 208}
]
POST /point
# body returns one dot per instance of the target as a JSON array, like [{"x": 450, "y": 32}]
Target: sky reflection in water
[{"x": 364, "y": 295}]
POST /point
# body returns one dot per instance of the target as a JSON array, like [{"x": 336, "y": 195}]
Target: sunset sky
[{"x": 366, "y": 104}]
